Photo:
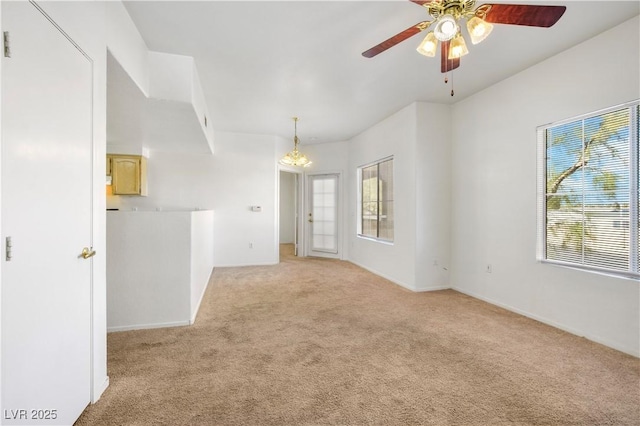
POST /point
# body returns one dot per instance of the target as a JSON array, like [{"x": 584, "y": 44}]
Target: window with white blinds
[
  {"x": 375, "y": 209},
  {"x": 588, "y": 191}
]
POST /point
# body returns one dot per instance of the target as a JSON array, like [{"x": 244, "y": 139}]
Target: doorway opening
[{"x": 290, "y": 236}]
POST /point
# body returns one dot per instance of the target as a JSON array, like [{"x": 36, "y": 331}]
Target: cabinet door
[
  {"x": 108, "y": 165},
  {"x": 126, "y": 175}
]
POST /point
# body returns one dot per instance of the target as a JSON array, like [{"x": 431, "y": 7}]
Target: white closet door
[{"x": 46, "y": 211}]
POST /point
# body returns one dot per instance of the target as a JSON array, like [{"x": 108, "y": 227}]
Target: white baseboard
[
  {"x": 400, "y": 283},
  {"x": 204, "y": 290},
  {"x": 380, "y": 274},
  {"x": 100, "y": 390},
  {"x": 631, "y": 351},
  {"x": 437, "y": 288},
  {"x": 614, "y": 345},
  {"x": 236, "y": 265},
  {"x": 145, "y": 326}
]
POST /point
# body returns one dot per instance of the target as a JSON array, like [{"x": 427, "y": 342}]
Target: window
[
  {"x": 588, "y": 191},
  {"x": 375, "y": 210}
]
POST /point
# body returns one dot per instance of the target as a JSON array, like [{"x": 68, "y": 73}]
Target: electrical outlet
[
  {"x": 488, "y": 270},
  {"x": 435, "y": 263},
  {"x": 250, "y": 245}
]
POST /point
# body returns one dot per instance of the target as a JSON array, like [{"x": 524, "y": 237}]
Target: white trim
[
  {"x": 428, "y": 289},
  {"x": 541, "y": 204},
  {"x": 299, "y": 201},
  {"x": 147, "y": 326},
  {"x": 237, "y": 265},
  {"x": 598, "y": 339},
  {"x": 634, "y": 171},
  {"x": 375, "y": 240},
  {"x": 382, "y": 160},
  {"x": 386, "y": 277},
  {"x": 2, "y": 250},
  {"x": 204, "y": 290},
  {"x": 359, "y": 184},
  {"x": 541, "y": 193},
  {"x": 588, "y": 115},
  {"x": 96, "y": 396},
  {"x": 339, "y": 200},
  {"x": 400, "y": 283},
  {"x": 625, "y": 275}
]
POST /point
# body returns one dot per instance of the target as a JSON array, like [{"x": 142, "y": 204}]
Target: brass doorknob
[{"x": 87, "y": 253}]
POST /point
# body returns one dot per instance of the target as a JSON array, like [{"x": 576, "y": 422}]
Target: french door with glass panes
[{"x": 322, "y": 215}]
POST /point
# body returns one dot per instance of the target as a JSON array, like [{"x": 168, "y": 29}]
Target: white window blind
[
  {"x": 375, "y": 210},
  {"x": 588, "y": 191}
]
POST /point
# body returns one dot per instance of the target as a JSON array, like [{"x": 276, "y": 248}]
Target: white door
[
  {"x": 322, "y": 216},
  {"x": 46, "y": 211}
]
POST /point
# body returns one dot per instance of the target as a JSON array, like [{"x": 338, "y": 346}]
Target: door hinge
[
  {"x": 8, "y": 249},
  {"x": 7, "y": 47}
]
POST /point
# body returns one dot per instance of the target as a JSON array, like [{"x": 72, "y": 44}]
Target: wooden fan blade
[
  {"x": 447, "y": 64},
  {"x": 524, "y": 14},
  {"x": 411, "y": 31},
  {"x": 420, "y": 2}
]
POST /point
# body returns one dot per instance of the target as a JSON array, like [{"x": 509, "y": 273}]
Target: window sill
[
  {"x": 607, "y": 273},
  {"x": 377, "y": 240}
]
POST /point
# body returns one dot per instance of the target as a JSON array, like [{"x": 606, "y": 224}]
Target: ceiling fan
[{"x": 446, "y": 16}]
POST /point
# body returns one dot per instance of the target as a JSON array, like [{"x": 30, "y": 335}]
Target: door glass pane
[{"x": 324, "y": 235}]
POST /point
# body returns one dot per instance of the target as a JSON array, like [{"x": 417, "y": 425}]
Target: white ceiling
[{"x": 263, "y": 62}]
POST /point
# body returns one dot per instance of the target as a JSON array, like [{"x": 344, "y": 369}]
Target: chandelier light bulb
[
  {"x": 458, "y": 47},
  {"x": 446, "y": 28},
  {"x": 478, "y": 29},
  {"x": 428, "y": 45}
]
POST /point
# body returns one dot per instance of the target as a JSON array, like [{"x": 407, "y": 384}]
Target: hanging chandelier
[{"x": 295, "y": 157}]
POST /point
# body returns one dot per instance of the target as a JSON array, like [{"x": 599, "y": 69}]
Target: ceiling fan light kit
[
  {"x": 295, "y": 157},
  {"x": 446, "y": 17},
  {"x": 446, "y": 28},
  {"x": 429, "y": 45},
  {"x": 478, "y": 29},
  {"x": 458, "y": 47}
]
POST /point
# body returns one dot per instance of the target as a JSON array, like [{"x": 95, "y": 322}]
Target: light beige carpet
[{"x": 316, "y": 342}]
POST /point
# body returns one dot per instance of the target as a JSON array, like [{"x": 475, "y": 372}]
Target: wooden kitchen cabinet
[{"x": 128, "y": 174}]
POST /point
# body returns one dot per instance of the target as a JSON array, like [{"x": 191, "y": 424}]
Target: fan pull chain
[
  {"x": 446, "y": 79},
  {"x": 452, "y": 83}
]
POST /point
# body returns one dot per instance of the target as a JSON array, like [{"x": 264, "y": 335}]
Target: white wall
[
  {"x": 149, "y": 267},
  {"x": 333, "y": 158},
  {"x": 159, "y": 265},
  {"x": 457, "y": 185},
  {"x": 395, "y": 136},
  {"x": 126, "y": 44},
  {"x": 243, "y": 173},
  {"x": 433, "y": 196},
  {"x": 287, "y": 207},
  {"x": 494, "y": 190},
  {"x": 201, "y": 257},
  {"x": 418, "y": 137}
]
